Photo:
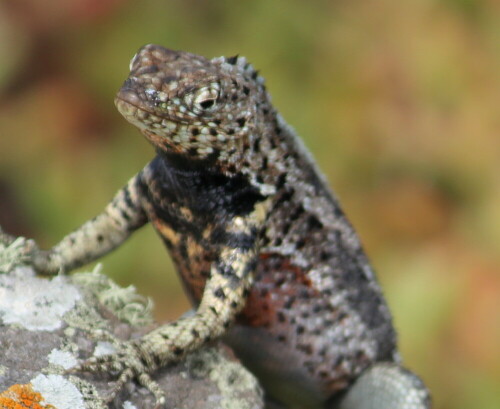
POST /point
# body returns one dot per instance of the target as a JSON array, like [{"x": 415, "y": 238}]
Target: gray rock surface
[{"x": 48, "y": 324}]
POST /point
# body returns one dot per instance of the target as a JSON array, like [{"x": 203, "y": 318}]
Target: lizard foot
[
  {"x": 128, "y": 363},
  {"x": 27, "y": 252},
  {"x": 15, "y": 251}
]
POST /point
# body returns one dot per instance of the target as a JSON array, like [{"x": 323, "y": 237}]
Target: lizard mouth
[
  {"x": 139, "y": 113},
  {"x": 154, "y": 128},
  {"x": 129, "y": 103}
]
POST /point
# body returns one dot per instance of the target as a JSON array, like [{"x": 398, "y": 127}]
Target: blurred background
[{"x": 398, "y": 101}]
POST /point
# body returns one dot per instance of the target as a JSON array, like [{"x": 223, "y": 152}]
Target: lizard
[{"x": 265, "y": 253}]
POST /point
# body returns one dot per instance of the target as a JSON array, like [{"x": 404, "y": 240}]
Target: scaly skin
[{"x": 263, "y": 248}]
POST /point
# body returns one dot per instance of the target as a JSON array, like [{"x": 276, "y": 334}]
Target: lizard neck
[
  {"x": 180, "y": 162},
  {"x": 262, "y": 154},
  {"x": 273, "y": 151}
]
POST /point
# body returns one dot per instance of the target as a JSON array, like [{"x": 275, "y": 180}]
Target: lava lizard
[{"x": 264, "y": 251}]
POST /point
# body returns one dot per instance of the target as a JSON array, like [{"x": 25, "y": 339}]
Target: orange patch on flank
[
  {"x": 259, "y": 311},
  {"x": 266, "y": 298},
  {"x": 300, "y": 275},
  {"x": 22, "y": 397}
]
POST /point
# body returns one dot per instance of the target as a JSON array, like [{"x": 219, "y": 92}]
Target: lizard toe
[{"x": 126, "y": 364}]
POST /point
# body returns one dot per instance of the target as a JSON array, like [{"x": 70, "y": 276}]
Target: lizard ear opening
[
  {"x": 204, "y": 99},
  {"x": 208, "y": 103}
]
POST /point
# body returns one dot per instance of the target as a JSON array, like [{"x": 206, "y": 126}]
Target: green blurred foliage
[{"x": 397, "y": 100}]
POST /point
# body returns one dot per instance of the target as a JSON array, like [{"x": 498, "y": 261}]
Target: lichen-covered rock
[{"x": 48, "y": 324}]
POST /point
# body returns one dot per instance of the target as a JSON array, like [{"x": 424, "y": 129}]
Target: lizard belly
[{"x": 280, "y": 370}]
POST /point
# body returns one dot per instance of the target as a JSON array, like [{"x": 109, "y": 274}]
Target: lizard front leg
[
  {"x": 223, "y": 297},
  {"x": 98, "y": 236}
]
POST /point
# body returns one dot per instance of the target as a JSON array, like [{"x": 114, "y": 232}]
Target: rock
[{"x": 48, "y": 324}]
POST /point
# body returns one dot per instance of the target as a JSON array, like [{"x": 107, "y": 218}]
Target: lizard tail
[{"x": 384, "y": 386}]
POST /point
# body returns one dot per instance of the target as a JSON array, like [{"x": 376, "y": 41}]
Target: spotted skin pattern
[{"x": 263, "y": 249}]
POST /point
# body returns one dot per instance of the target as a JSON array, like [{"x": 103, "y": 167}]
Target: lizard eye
[{"x": 204, "y": 99}]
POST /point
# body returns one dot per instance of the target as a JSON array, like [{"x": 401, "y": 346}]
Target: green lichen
[
  {"x": 85, "y": 316},
  {"x": 13, "y": 254},
  {"x": 89, "y": 393},
  {"x": 230, "y": 377},
  {"x": 125, "y": 303}
]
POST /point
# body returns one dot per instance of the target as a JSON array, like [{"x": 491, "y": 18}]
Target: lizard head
[{"x": 189, "y": 105}]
